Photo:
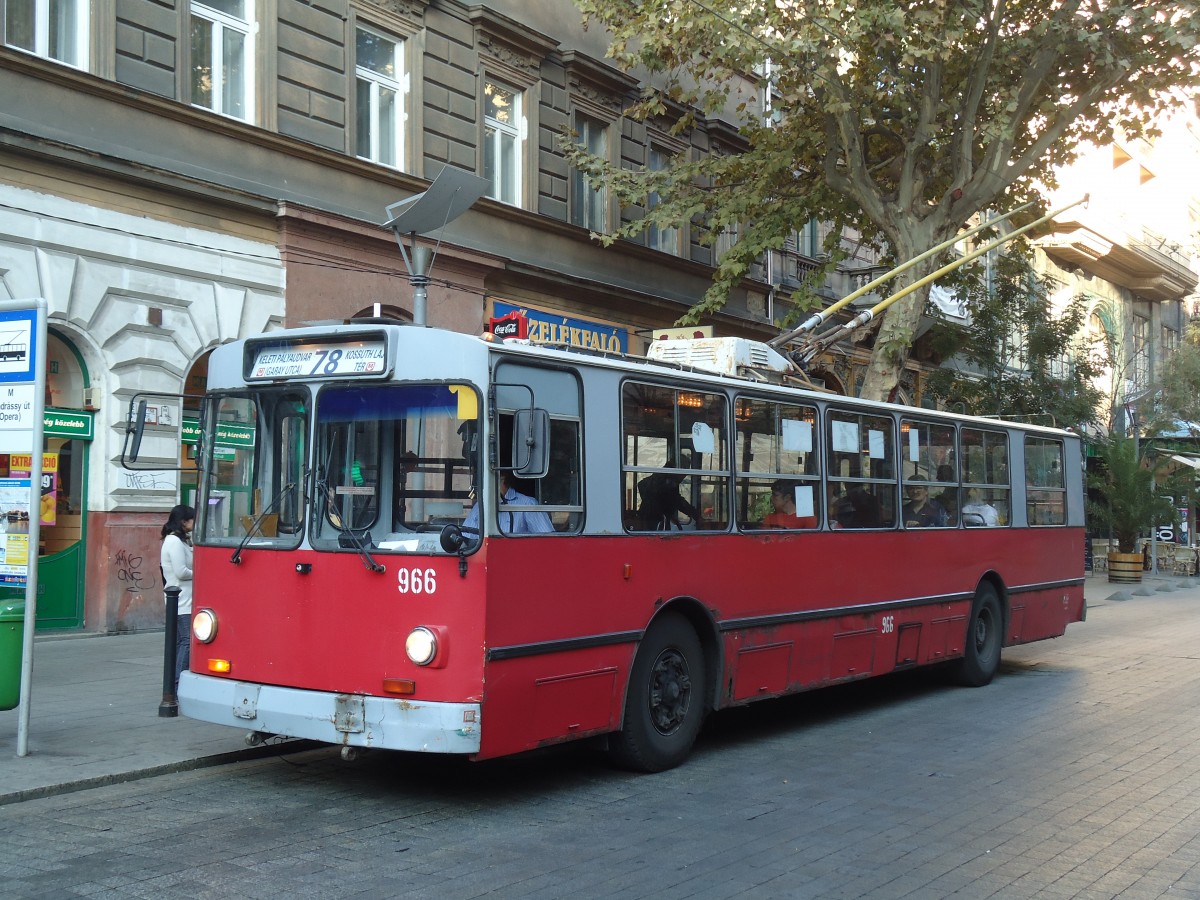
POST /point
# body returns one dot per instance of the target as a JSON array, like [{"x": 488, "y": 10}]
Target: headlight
[
  {"x": 421, "y": 646},
  {"x": 204, "y": 626}
]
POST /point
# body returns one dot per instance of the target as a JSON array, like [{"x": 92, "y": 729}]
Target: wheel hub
[{"x": 670, "y": 692}]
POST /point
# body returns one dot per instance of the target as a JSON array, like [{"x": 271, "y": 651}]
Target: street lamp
[{"x": 450, "y": 195}]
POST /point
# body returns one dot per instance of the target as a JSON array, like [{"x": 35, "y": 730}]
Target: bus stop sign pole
[{"x": 22, "y": 409}]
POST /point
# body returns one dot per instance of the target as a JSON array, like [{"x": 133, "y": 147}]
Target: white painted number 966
[
  {"x": 416, "y": 581},
  {"x": 889, "y": 624}
]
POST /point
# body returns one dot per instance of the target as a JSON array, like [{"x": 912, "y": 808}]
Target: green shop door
[{"x": 62, "y": 556}]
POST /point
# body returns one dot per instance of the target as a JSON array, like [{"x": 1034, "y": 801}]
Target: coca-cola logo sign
[{"x": 514, "y": 325}]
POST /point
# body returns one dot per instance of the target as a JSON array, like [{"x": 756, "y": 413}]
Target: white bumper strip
[{"x": 345, "y": 719}]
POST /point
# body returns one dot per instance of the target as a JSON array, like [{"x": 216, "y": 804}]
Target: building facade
[
  {"x": 1133, "y": 253},
  {"x": 175, "y": 175}
]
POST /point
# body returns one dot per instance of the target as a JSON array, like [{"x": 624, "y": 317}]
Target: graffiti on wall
[{"x": 139, "y": 601}]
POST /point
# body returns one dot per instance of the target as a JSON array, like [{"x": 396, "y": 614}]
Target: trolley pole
[{"x": 169, "y": 707}]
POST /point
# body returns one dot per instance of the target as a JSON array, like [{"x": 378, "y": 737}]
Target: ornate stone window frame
[
  {"x": 512, "y": 53},
  {"x": 601, "y": 93},
  {"x": 403, "y": 20}
]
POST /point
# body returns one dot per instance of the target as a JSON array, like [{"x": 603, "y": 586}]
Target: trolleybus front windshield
[
  {"x": 394, "y": 464},
  {"x": 255, "y": 446}
]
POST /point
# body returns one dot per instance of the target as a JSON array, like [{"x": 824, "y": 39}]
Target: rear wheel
[
  {"x": 664, "y": 704},
  {"x": 985, "y": 635}
]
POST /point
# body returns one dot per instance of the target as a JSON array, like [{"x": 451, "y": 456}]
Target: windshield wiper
[
  {"x": 345, "y": 532},
  {"x": 368, "y": 560},
  {"x": 236, "y": 559}
]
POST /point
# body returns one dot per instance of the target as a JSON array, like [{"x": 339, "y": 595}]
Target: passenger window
[
  {"x": 985, "y": 478},
  {"x": 676, "y": 459},
  {"x": 778, "y": 480},
  {"x": 930, "y": 468},
  {"x": 862, "y": 470},
  {"x": 1045, "y": 489}
]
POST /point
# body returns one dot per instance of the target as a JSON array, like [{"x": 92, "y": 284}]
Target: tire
[
  {"x": 985, "y": 637},
  {"x": 665, "y": 700}
]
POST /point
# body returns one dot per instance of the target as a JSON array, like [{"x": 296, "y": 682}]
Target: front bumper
[{"x": 353, "y": 720}]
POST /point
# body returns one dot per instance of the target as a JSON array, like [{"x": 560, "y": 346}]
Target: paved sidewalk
[
  {"x": 94, "y": 711},
  {"x": 94, "y": 720}
]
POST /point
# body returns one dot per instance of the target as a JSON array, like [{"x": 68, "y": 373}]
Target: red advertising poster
[{"x": 19, "y": 466}]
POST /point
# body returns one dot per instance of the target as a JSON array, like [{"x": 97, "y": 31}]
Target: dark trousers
[{"x": 183, "y": 645}]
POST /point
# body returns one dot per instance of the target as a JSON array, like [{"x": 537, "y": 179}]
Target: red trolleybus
[{"x": 672, "y": 540}]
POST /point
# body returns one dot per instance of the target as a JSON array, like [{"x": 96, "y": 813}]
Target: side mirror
[
  {"x": 531, "y": 443},
  {"x": 165, "y": 417},
  {"x": 451, "y": 538},
  {"x": 134, "y": 430}
]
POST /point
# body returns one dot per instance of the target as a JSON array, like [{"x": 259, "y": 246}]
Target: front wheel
[
  {"x": 985, "y": 635},
  {"x": 664, "y": 704}
]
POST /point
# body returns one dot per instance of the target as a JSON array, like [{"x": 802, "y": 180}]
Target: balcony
[{"x": 1146, "y": 263}]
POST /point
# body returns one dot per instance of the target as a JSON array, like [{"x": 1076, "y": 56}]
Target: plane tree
[
  {"x": 1019, "y": 355},
  {"x": 900, "y": 119}
]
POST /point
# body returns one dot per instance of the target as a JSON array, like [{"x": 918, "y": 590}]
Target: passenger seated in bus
[
  {"x": 783, "y": 508},
  {"x": 661, "y": 503},
  {"x": 921, "y": 511},
  {"x": 841, "y": 513},
  {"x": 978, "y": 512},
  {"x": 512, "y": 521},
  {"x": 865, "y": 510},
  {"x": 949, "y": 496}
]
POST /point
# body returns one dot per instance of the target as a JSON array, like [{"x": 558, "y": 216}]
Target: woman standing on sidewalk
[{"x": 176, "y": 560}]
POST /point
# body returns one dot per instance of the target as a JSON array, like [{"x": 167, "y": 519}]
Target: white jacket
[{"x": 176, "y": 560}]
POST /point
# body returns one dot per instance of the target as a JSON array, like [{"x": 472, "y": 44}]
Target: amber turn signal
[{"x": 219, "y": 665}]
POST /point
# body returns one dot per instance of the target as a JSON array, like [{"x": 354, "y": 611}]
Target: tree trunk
[
  {"x": 892, "y": 344},
  {"x": 897, "y": 328}
]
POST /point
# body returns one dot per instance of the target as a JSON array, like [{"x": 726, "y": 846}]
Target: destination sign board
[{"x": 316, "y": 359}]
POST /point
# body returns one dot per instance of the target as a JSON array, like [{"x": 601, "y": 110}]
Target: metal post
[
  {"x": 419, "y": 278},
  {"x": 37, "y": 446},
  {"x": 1153, "y": 545},
  {"x": 169, "y": 707},
  {"x": 449, "y": 196}
]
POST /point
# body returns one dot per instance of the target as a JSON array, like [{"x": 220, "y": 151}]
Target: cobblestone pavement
[{"x": 1074, "y": 775}]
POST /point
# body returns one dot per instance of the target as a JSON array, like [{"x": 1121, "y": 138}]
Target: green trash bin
[{"x": 12, "y": 644}]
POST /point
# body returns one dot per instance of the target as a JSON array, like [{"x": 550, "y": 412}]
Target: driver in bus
[{"x": 512, "y": 521}]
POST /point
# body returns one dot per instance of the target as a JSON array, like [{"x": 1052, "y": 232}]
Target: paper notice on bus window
[
  {"x": 804, "y": 500},
  {"x": 914, "y": 445},
  {"x": 702, "y": 438},
  {"x": 845, "y": 437},
  {"x": 409, "y": 545},
  {"x": 875, "y": 444},
  {"x": 797, "y": 436}
]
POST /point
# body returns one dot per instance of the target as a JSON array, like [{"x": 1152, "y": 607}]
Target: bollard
[{"x": 169, "y": 706}]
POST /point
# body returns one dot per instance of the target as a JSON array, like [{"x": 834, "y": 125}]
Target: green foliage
[
  {"x": 1178, "y": 397},
  {"x": 1131, "y": 506},
  {"x": 1018, "y": 358},
  {"x": 761, "y": 508},
  {"x": 900, "y": 118}
]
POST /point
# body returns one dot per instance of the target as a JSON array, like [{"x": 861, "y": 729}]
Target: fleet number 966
[{"x": 416, "y": 581}]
